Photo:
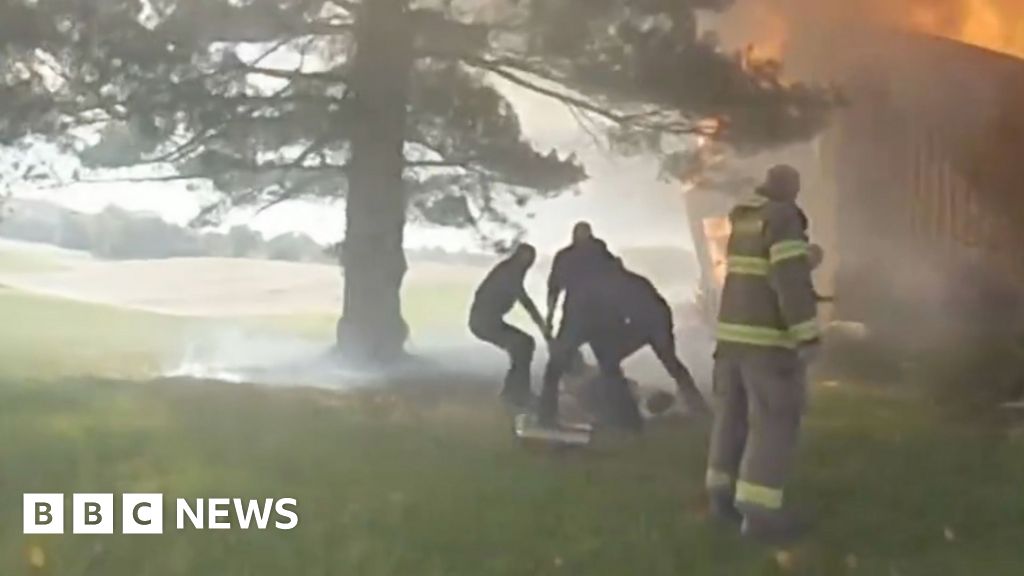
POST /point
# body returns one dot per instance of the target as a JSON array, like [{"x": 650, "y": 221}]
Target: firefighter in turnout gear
[{"x": 767, "y": 334}]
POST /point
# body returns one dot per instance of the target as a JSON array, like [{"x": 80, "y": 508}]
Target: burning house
[{"x": 919, "y": 178}]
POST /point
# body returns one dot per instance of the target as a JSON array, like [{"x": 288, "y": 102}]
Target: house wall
[
  {"x": 920, "y": 177},
  {"x": 927, "y": 176}
]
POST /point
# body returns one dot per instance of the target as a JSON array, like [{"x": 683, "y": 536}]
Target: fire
[
  {"x": 994, "y": 24},
  {"x": 759, "y": 28},
  {"x": 767, "y": 24}
]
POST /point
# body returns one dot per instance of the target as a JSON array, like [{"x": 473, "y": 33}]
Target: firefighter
[
  {"x": 766, "y": 335},
  {"x": 494, "y": 299},
  {"x": 616, "y": 315}
]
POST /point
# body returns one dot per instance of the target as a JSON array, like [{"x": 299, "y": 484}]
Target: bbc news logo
[{"x": 144, "y": 513}]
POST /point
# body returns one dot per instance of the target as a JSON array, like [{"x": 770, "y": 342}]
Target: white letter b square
[
  {"x": 92, "y": 514},
  {"x": 43, "y": 513}
]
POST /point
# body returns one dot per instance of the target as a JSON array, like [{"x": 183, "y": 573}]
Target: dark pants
[
  {"x": 518, "y": 344},
  {"x": 658, "y": 334},
  {"x": 614, "y": 401},
  {"x": 613, "y": 339},
  {"x": 576, "y": 363},
  {"x": 587, "y": 322}
]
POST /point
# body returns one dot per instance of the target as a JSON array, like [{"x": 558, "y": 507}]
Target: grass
[
  {"x": 18, "y": 261},
  {"x": 51, "y": 338},
  {"x": 423, "y": 478}
]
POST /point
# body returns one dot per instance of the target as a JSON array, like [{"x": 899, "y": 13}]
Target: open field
[
  {"x": 219, "y": 287},
  {"x": 420, "y": 475}
]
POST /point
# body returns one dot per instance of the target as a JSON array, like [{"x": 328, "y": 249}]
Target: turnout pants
[
  {"x": 760, "y": 398},
  {"x": 518, "y": 344}
]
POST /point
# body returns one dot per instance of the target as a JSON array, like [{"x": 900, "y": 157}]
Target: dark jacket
[
  {"x": 578, "y": 265},
  {"x": 500, "y": 290}
]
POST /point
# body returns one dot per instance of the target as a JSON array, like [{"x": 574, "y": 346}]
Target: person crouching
[{"x": 499, "y": 292}]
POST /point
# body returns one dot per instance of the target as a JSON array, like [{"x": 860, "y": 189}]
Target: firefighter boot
[
  {"x": 722, "y": 508},
  {"x": 775, "y": 528}
]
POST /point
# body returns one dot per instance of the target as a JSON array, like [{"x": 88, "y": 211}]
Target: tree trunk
[{"x": 372, "y": 328}]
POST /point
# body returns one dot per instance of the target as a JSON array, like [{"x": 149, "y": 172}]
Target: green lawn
[
  {"x": 434, "y": 309},
  {"x": 424, "y": 479}
]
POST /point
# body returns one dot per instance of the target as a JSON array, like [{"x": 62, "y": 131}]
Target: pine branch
[
  {"x": 583, "y": 122},
  {"x": 234, "y": 169},
  {"x": 331, "y": 28},
  {"x": 139, "y": 179},
  {"x": 464, "y": 163},
  {"x": 294, "y": 166},
  {"x": 330, "y": 75},
  {"x": 183, "y": 150},
  {"x": 270, "y": 51},
  {"x": 202, "y": 137},
  {"x": 507, "y": 70},
  {"x": 502, "y": 72},
  {"x": 285, "y": 196}
]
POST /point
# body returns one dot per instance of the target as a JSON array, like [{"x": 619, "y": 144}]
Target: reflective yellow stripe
[
  {"x": 717, "y": 479},
  {"x": 752, "y": 201},
  {"x": 761, "y": 336},
  {"x": 754, "y": 335},
  {"x": 805, "y": 331},
  {"x": 781, "y": 251},
  {"x": 762, "y": 496},
  {"x": 750, "y": 226},
  {"x": 750, "y": 265}
]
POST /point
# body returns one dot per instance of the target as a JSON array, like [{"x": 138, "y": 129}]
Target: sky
[{"x": 623, "y": 198}]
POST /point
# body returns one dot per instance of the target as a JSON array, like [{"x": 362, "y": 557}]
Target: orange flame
[{"x": 994, "y": 24}]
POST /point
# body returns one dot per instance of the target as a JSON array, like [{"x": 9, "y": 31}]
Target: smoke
[
  {"x": 238, "y": 354},
  {"x": 775, "y": 25}
]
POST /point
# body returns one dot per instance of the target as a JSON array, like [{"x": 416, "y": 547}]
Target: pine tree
[{"x": 386, "y": 103}]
